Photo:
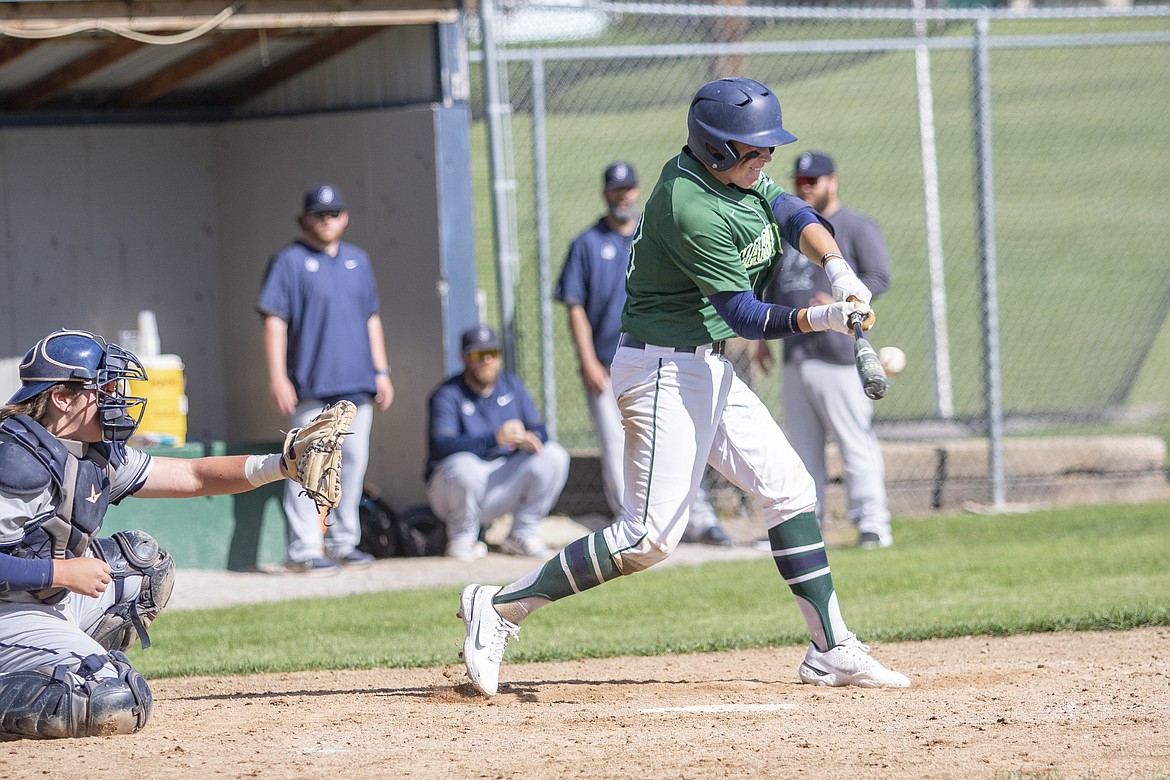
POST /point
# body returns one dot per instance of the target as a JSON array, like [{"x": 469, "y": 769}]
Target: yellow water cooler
[{"x": 164, "y": 423}]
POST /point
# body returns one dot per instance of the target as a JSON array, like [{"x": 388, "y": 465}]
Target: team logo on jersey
[
  {"x": 312, "y": 265},
  {"x": 467, "y": 407},
  {"x": 351, "y": 264},
  {"x": 608, "y": 251},
  {"x": 504, "y": 399},
  {"x": 761, "y": 251}
]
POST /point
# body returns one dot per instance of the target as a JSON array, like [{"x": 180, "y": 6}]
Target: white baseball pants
[
  {"x": 680, "y": 411},
  {"x": 607, "y": 424}
]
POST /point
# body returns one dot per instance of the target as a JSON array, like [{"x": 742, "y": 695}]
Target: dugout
[{"x": 153, "y": 156}]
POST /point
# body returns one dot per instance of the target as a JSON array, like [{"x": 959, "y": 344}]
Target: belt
[{"x": 717, "y": 347}]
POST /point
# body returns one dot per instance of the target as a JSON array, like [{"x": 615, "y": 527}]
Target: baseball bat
[{"x": 873, "y": 376}]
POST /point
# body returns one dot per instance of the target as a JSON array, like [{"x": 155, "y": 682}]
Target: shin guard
[{"x": 61, "y": 703}]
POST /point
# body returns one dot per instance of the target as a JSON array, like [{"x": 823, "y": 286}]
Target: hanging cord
[{"x": 121, "y": 29}]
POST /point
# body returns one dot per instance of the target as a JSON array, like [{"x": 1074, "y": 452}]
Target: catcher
[{"x": 70, "y": 601}]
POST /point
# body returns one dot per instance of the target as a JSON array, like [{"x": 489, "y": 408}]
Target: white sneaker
[
  {"x": 849, "y": 663},
  {"x": 466, "y": 549},
  {"x": 487, "y": 636},
  {"x": 525, "y": 545}
]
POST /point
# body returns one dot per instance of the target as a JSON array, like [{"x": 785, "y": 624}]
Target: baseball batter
[
  {"x": 705, "y": 249},
  {"x": 71, "y": 602}
]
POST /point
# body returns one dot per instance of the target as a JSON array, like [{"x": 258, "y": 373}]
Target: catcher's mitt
[{"x": 312, "y": 455}]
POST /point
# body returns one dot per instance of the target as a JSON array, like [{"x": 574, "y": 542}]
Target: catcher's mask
[{"x": 84, "y": 358}]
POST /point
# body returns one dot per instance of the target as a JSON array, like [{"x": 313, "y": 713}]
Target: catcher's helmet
[
  {"x": 85, "y": 358},
  {"x": 735, "y": 109}
]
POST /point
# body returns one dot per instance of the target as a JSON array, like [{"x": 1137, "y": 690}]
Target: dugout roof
[{"x": 82, "y": 59}]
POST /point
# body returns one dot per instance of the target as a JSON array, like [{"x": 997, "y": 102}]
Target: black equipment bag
[{"x": 387, "y": 534}]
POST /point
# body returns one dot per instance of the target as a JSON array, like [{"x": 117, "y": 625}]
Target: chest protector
[{"x": 80, "y": 488}]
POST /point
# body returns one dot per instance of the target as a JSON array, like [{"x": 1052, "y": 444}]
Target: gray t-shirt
[{"x": 799, "y": 279}]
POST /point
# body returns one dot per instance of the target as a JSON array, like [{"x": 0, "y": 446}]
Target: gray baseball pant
[
  {"x": 820, "y": 398},
  {"x": 465, "y": 491},
  {"x": 39, "y": 635},
  {"x": 305, "y": 537}
]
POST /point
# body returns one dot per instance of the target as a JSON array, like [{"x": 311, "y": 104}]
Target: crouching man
[{"x": 70, "y": 601}]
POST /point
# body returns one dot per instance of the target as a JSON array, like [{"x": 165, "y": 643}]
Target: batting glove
[
  {"x": 835, "y": 316},
  {"x": 845, "y": 283}
]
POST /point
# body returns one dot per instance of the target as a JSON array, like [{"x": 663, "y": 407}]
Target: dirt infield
[{"x": 1066, "y": 705}]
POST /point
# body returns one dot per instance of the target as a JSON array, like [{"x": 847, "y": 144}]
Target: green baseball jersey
[{"x": 697, "y": 237}]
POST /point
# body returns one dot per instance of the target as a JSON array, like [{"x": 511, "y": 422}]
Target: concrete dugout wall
[
  {"x": 409, "y": 199},
  {"x": 100, "y": 221}
]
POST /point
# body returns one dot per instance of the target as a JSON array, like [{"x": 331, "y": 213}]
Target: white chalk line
[{"x": 707, "y": 708}]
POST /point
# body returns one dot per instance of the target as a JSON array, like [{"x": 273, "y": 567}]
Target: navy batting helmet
[
  {"x": 735, "y": 109},
  {"x": 81, "y": 357}
]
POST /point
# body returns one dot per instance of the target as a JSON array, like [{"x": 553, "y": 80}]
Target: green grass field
[
  {"x": 1080, "y": 179},
  {"x": 1085, "y": 568}
]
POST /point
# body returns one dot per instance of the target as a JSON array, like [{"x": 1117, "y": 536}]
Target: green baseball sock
[
  {"x": 583, "y": 564},
  {"x": 799, "y": 551}
]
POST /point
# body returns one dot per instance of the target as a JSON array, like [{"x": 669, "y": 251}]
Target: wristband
[
  {"x": 825, "y": 257},
  {"x": 818, "y": 318},
  {"x": 382, "y": 372},
  {"x": 836, "y": 267},
  {"x": 262, "y": 469},
  {"x": 781, "y": 321}
]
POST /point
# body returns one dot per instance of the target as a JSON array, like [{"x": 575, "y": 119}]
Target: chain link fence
[{"x": 1015, "y": 159}]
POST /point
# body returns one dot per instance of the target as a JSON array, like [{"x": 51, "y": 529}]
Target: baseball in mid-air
[{"x": 893, "y": 360}]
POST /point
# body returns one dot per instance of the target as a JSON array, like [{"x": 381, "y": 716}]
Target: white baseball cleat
[
  {"x": 849, "y": 663},
  {"x": 487, "y": 636}
]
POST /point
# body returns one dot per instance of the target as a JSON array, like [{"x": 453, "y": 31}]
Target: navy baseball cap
[
  {"x": 620, "y": 174},
  {"x": 813, "y": 165},
  {"x": 480, "y": 337},
  {"x": 325, "y": 197}
]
